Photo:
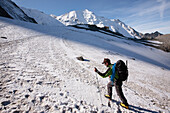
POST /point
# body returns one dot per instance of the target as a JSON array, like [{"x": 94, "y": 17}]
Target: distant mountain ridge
[
  {"x": 10, "y": 10},
  {"x": 166, "y": 42},
  {"x": 151, "y": 35},
  {"x": 88, "y": 17}
]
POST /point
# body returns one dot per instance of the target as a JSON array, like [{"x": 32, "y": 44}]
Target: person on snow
[{"x": 114, "y": 81}]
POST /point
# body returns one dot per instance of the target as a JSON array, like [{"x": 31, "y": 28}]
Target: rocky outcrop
[
  {"x": 10, "y": 10},
  {"x": 151, "y": 35},
  {"x": 4, "y": 13}
]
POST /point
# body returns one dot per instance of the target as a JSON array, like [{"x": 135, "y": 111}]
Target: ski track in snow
[{"x": 40, "y": 73}]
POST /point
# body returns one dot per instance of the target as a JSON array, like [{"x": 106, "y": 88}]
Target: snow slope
[
  {"x": 40, "y": 72},
  {"x": 42, "y": 18},
  {"x": 88, "y": 17}
]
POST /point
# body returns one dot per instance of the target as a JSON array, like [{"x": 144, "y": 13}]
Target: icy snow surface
[{"x": 40, "y": 72}]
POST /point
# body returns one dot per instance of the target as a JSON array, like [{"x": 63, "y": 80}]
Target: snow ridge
[{"x": 42, "y": 18}]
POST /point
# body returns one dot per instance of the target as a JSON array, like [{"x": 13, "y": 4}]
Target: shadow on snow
[{"x": 134, "y": 108}]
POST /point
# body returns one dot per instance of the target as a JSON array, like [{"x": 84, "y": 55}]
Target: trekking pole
[
  {"x": 114, "y": 93},
  {"x": 127, "y": 67},
  {"x": 99, "y": 89}
]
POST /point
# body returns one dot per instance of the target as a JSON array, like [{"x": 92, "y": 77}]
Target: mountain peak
[
  {"x": 87, "y": 11},
  {"x": 88, "y": 17}
]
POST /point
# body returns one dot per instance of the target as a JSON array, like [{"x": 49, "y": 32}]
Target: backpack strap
[{"x": 113, "y": 72}]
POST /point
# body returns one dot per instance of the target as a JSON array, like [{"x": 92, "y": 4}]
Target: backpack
[{"x": 121, "y": 70}]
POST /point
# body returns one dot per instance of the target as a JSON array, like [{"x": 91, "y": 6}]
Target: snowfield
[{"x": 39, "y": 71}]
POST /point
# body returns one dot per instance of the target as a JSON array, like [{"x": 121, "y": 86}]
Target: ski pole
[{"x": 98, "y": 89}]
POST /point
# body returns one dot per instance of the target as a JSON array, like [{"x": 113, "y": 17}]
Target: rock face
[
  {"x": 166, "y": 42},
  {"x": 4, "y": 13},
  {"x": 10, "y": 10}
]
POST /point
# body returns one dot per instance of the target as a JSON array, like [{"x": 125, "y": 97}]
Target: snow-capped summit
[
  {"x": 77, "y": 17},
  {"x": 88, "y": 17}
]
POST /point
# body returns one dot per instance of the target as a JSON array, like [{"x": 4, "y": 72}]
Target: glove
[{"x": 95, "y": 69}]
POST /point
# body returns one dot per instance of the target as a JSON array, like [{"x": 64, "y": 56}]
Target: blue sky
[{"x": 142, "y": 15}]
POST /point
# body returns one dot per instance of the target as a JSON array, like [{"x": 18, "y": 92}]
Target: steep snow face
[
  {"x": 88, "y": 17},
  {"x": 127, "y": 28},
  {"x": 14, "y": 11},
  {"x": 42, "y": 18}
]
